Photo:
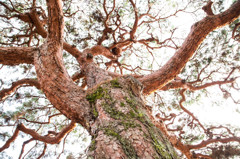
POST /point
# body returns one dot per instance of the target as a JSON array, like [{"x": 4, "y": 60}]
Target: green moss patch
[
  {"x": 126, "y": 145},
  {"x": 93, "y": 145},
  {"x": 115, "y": 83},
  {"x": 98, "y": 94},
  {"x": 115, "y": 114}
]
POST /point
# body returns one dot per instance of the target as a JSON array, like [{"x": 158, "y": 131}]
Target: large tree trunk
[{"x": 122, "y": 128}]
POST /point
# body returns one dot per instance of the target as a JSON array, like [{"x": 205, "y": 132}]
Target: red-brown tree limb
[
  {"x": 16, "y": 55},
  {"x": 30, "y": 17},
  {"x": 199, "y": 31},
  {"x": 210, "y": 141},
  {"x": 10, "y": 140},
  {"x": 46, "y": 139},
  {"x": 187, "y": 111},
  {"x": 43, "y": 151},
  {"x": 29, "y": 82},
  {"x": 106, "y": 23},
  {"x": 34, "y": 18},
  {"x": 49, "y": 60},
  {"x": 135, "y": 25},
  {"x": 15, "y": 85},
  {"x": 23, "y": 146},
  {"x": 39, "y": 122},
  {"x": 190, "y": 86},
  {"x": 71, "y": 49},
  {"x": 207, "y": 8}
]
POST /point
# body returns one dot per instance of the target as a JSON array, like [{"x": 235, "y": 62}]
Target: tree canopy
[{"x": 55, "y": 55}]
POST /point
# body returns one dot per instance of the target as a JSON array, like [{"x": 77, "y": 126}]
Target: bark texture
[
  {"x": 122, "y": 127},
  {"x": 198, "y": 33},
  {"x": 55, "y": 82},
  {"x": 16, "y": 55},
  {"x": 112, "y": 110}
]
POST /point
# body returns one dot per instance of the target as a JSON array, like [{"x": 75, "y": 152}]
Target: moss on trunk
[{"x": 122, "y": 128}]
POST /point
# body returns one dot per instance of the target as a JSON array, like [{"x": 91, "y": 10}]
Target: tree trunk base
[{"x": 122, "y": 128}]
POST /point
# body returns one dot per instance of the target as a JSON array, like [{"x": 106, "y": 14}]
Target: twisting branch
[
  {"x": 210, "y": 141},
  {"x": 38, "y": 122},
  {"x": 46, "y": 139},
  {"x": 189, "y": 85},
  {"x": 23, "y": 146},
  {"x": 199, "y": 31},
  {"x": 10, "y": 140},
  {"x": 107, "y": 29},
  {"x": 15, "y": 85},
  {"x": 135, "y": 26},
  {"x": 236, "y": 36},
  {"x": 43, "y": 152},
  {"x": 29, "y": 82},
  {"x": 187, "y": 111}
]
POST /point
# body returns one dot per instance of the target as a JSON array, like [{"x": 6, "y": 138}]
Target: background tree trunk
[{"x": 122, "y": 128}]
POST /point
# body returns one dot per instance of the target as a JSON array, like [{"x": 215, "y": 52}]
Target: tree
[{"x": 105, "y": 95}]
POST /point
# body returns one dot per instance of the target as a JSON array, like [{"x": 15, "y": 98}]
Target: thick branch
[
  {"x": 134, "y": 29},
  {"x": 197, "y": 34},
  {"x": 71, "y": 49},
  {"x": 55, "y": 21},
  {"x": 58, "y": 87},
  {"x": 16, "y": 55},
  {"x": 19, "y": 55},
  {"x": 37, "y": 23}
]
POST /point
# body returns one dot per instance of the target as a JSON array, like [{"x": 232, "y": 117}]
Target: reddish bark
[
  {"x": 58, "y": 87},
  {"x": 15, "y": 85},
  {"x": 107, "y": 128},
  {"x": 198, "y": 32},
  {"x": 16, "y": 55},
  {"x": 47, "y": 139},
  {"x": 122, "y": 128}
]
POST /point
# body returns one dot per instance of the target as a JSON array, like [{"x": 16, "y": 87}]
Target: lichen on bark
[{"x": 123, "y": 124}]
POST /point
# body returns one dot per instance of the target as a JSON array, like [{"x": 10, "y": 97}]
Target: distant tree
[{"x": 123, "y": 71}]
